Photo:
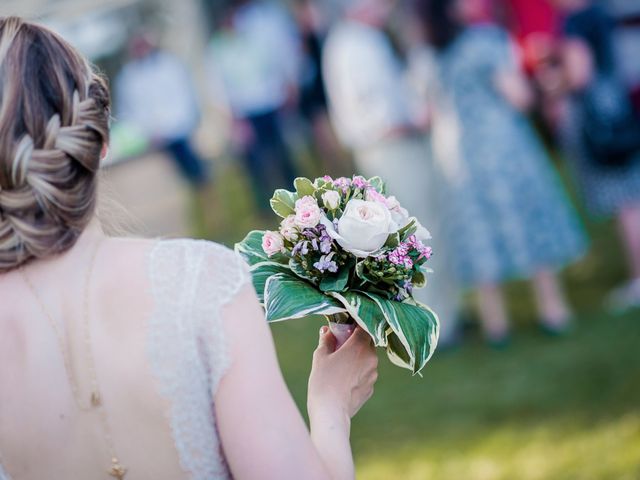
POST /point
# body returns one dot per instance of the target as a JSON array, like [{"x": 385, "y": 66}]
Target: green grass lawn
[{"x": 544, "y": 408}]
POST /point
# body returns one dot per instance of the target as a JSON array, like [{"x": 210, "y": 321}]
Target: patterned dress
[
  {"x": 506, "y": 209},
  {"x": 604, "y": 190}
]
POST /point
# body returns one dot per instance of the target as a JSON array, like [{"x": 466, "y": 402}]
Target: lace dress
[
  {"x": 507, "y": 214},
  {"x": 191, "y": 281}
]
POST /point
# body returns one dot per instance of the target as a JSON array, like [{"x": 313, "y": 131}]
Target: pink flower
[
  {"x": 307, "y": 212},
  {"x": 426, "y": 252},
  {"x": 359, "y": 182},
  {"x": 288, "y": 228},
  {"x": 343, "y": 183},
  {"x": 372, "y": 195},
  {"x": 272, "y": 243}
]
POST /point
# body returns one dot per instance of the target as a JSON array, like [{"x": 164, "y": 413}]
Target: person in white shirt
[
  {"x": 370, "y": 110},
  {"x": 253, "y": 65},
  {"x": 155, "y": 93}
]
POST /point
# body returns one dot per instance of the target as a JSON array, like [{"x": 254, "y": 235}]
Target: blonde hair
[{"x": 54, "y": 121}]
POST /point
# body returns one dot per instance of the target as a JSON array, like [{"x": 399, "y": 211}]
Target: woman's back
[
  {"x": 159, "y": 354},
  {"x": 112, "y": 350}
]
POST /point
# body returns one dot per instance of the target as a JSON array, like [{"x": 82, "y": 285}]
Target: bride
[{"x": 134, "y": 359}]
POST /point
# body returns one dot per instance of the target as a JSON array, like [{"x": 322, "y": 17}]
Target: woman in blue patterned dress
[
  {"x": 508, "y": 214},
  {"x": 589, "y": 66}
]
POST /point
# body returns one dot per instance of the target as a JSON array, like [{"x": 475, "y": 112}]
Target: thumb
[{"x": 327, "y": 342}]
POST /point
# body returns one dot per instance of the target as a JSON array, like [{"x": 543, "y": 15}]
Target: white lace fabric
[{"x": 190, "y": 282}]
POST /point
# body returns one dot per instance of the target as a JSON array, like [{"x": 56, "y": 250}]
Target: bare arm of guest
[
  {"x": 577, "y": 64},
  {"x": 514, "y": 87}
]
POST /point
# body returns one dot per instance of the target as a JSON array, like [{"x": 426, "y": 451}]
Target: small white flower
[
  {"x": 272, "y": 243},
  {"x": 331, "y": 199},
  {"x": 307, "y": 212}
]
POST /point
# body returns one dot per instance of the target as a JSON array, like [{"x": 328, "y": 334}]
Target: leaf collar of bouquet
[{"x": 344, "y": 247}]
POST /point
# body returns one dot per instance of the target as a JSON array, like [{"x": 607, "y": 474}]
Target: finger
[
  {"x": 326, "y": 342},
  {"x": 359, "y": 336},
  {"x": 366, "y": 338}
]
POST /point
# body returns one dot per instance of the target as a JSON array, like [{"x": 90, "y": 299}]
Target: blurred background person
[
  {"x": 507, "y": 215},
  {"x": 370, "y": 112},
  {"x": 313, "y": 99},
  {"x": 601, "y": 131},
  {"x": 253, "y": 65},
  {"x": 535, "y": 26},
  {"x": 155, "y": 94},
  {"x": 543, "y": 409}
]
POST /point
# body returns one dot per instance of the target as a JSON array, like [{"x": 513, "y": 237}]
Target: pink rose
[
  {"x": 307, "y": 212},
  {"x": 288, "y": 228},
  {"x": 272, "y": 243}
]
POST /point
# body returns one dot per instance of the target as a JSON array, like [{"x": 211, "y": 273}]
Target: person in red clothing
[{"x": 536, "y": 27}]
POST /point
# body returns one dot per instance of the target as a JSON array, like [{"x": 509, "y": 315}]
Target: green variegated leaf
[
  {"x": 304, "y": 187},
  {"x": 287, "y": 297},
  {"x": 396, "y": 351},
  {"x": 283, "y": 202},
  {"x": 297, "y": 269},
  {"x": 419, "y": 280},
  {"x": 339, "y": 281},
  {"x": 409, "y": 229},
  {"x": 251, "y": 248},
  {"x": 378, "y": 184},
  {"x": 363, "y": 274},
  {"x": 393, "y": 241},
  {"x": 321, "y": 183},
  {"x": 260, "y": 273},
  {"x": 416, "y": 326},
  {"x": 366, "y": 313}
]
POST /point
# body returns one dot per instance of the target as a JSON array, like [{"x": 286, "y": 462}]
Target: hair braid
[{"x": 54, "y": 121}]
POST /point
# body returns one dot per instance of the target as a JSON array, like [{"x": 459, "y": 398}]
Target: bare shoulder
[{"x": 198, "y": 264}]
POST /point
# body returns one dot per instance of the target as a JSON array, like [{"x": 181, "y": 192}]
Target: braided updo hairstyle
[{"x": 54, "y": 121}]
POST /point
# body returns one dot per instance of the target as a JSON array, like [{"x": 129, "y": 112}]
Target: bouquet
[{"x": 349, "y": 252}]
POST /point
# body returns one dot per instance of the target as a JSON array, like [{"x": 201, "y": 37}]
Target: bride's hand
[{"x": 342, "y": 381}]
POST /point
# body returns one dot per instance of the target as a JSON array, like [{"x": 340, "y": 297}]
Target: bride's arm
[{"x": 262, "y": 432}]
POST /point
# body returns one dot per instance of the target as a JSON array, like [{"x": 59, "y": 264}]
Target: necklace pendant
[
  {"x": 117, "y": 471},
  {"x": 96, "y": 401}
]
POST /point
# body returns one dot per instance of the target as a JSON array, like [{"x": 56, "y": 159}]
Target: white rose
[
  {"x": 307, "y": 212},
  {"x": 288, "y": 228},
  {"x": 363, "y": 228},
  {"x": 331, "y": 199},
  {"x": 399, "y": 215},
  {"x": 272, "y": 243},
  {"x": 422, "y": 233}
]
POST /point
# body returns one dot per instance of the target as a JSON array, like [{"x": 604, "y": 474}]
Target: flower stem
[{"x": 342, "y": 317}]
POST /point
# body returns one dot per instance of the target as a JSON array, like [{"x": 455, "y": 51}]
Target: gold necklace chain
[{"x": 116, "y": 470}]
